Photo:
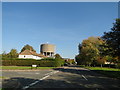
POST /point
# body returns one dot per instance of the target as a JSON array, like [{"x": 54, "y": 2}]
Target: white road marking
[
  {"x": 47, "y": 75},
  {"x": 33, "y": 83},
  {"x": 84, "y": 77},
  {"x": 25, "y": 87},
  {"x": 44, "y": 77},
  {"x": 87, "y": 69},
  {"x": 36, "y": 73}
]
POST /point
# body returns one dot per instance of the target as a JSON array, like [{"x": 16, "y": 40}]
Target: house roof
[{"x": 29, "y": 52}]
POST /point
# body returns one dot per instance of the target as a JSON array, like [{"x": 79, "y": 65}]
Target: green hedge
[
  {"x": 118, "y": 65},
  {"x": 40, "y": 63},
  {"x": 49, "y": 59},
  {"x": 16, "y": 59}
]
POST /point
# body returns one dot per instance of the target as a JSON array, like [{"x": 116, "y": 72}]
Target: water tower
[{"x": 47, "y": 50}]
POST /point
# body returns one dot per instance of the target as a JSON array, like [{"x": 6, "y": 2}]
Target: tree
[
  {"x": 79, "y": 48},
  {"x": 13, "y": 53},
  {"x": 57, "y": 56},
  {"x": 89, "y": 50},
  {"x": 4, "y": 54},
  {"x": 112, "y": 39},
  {"x": 80, "y": 59},
  {"x": 100, "y": 60},
  {"x": 27, "y": 47}
]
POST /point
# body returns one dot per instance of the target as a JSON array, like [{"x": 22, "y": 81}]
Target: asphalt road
[
  {"x": 67, "y": 77},
  {"x": 24, "y": 77}
]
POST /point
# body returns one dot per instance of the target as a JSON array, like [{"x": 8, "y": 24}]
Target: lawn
[
  {"x": 1, "y": 77},
  {"x": 110, "y": 72},
  {"x": 23, "y": 68},
  {"x": 103, "y": 68}
]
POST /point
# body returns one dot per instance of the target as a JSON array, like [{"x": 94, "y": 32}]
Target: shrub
[
  {"x": 118, "y": 65},
  {"x": 29, "y": 62},
  {"x": 16, "y": 59},
  {"x": 49, "y": 59}
]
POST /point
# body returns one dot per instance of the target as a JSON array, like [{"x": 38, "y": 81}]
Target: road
[{"x": 65, "y": 77}]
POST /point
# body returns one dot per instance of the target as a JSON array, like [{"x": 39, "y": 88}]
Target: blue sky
[
  {"x": 0, "y": 27},
  {"x": 62, "y": 24}
]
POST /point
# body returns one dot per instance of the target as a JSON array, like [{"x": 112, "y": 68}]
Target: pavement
[{"x": 64, "y": 77}]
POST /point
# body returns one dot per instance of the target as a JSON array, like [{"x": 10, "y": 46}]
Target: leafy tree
[
  {"x": 89, "y": 50},
  {"x": 100, "y": 60},
  {"x": 80, "y": 59},
  {"x": 4, "y": 54},
  {"x": 27, "y": 47},
  {"x": 12, "y": 54},
  {"x": 112, "y": 39},
  {"x": 57, "y": 56},
  {"x": 79, "y": 48},
  {"x": 59, "y": 59}
]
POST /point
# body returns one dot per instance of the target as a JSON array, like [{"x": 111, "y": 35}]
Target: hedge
[
  {"x": 16, "y": 59},
  {"x": 40, "y": 63}
]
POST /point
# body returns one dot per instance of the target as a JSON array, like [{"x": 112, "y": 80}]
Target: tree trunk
[
  {"x": 89, "y": 64},
  {"x": 101, "y": 65}
]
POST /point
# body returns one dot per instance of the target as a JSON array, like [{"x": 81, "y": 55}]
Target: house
[
  {"x": 109, "y": 62},
  {"x": 28, "y": 54}
]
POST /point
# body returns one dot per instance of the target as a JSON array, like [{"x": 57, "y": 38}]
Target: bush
[
  {"x": 29, "y": 62},
  {"x": 56, "y": 62},
  {"x": 16, "y": 59},
  {"x": 118, "y": 65},
  {"x": 60, "y": 62},
  {"x": 49, "y": 59},
  {"x": 82, "y": 65}
]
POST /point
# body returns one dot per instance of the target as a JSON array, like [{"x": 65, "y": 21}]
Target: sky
[
  {"x": 64, "y": 24},
  {"x": 0, "y": 27}
]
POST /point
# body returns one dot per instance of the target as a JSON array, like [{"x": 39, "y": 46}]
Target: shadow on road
[
  {"x": 113, "y": 74},
  {"x": 77, "y": 71},
  {"x": 18, "y": 83},
  {"x": 66, "y": 79},
  {"x": 74, "y": 66}
]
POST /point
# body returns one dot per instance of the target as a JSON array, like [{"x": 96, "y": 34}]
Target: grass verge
[
  {"x": 23, "y": 68},
  {"x": 1, "y": 77},
  {"x": 110, "y": 72}
]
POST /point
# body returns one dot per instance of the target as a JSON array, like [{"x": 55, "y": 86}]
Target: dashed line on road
[
  {"x": 37, "y": 73},
  {"x": 84, "y": 77},
  {"x": 47, "y": 75}
]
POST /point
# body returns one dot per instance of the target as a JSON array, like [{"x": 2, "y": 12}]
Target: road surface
[{"x": 65, "y": 77}]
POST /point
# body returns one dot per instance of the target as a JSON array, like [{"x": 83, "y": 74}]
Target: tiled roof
[{"x": 28, "y": 52}]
